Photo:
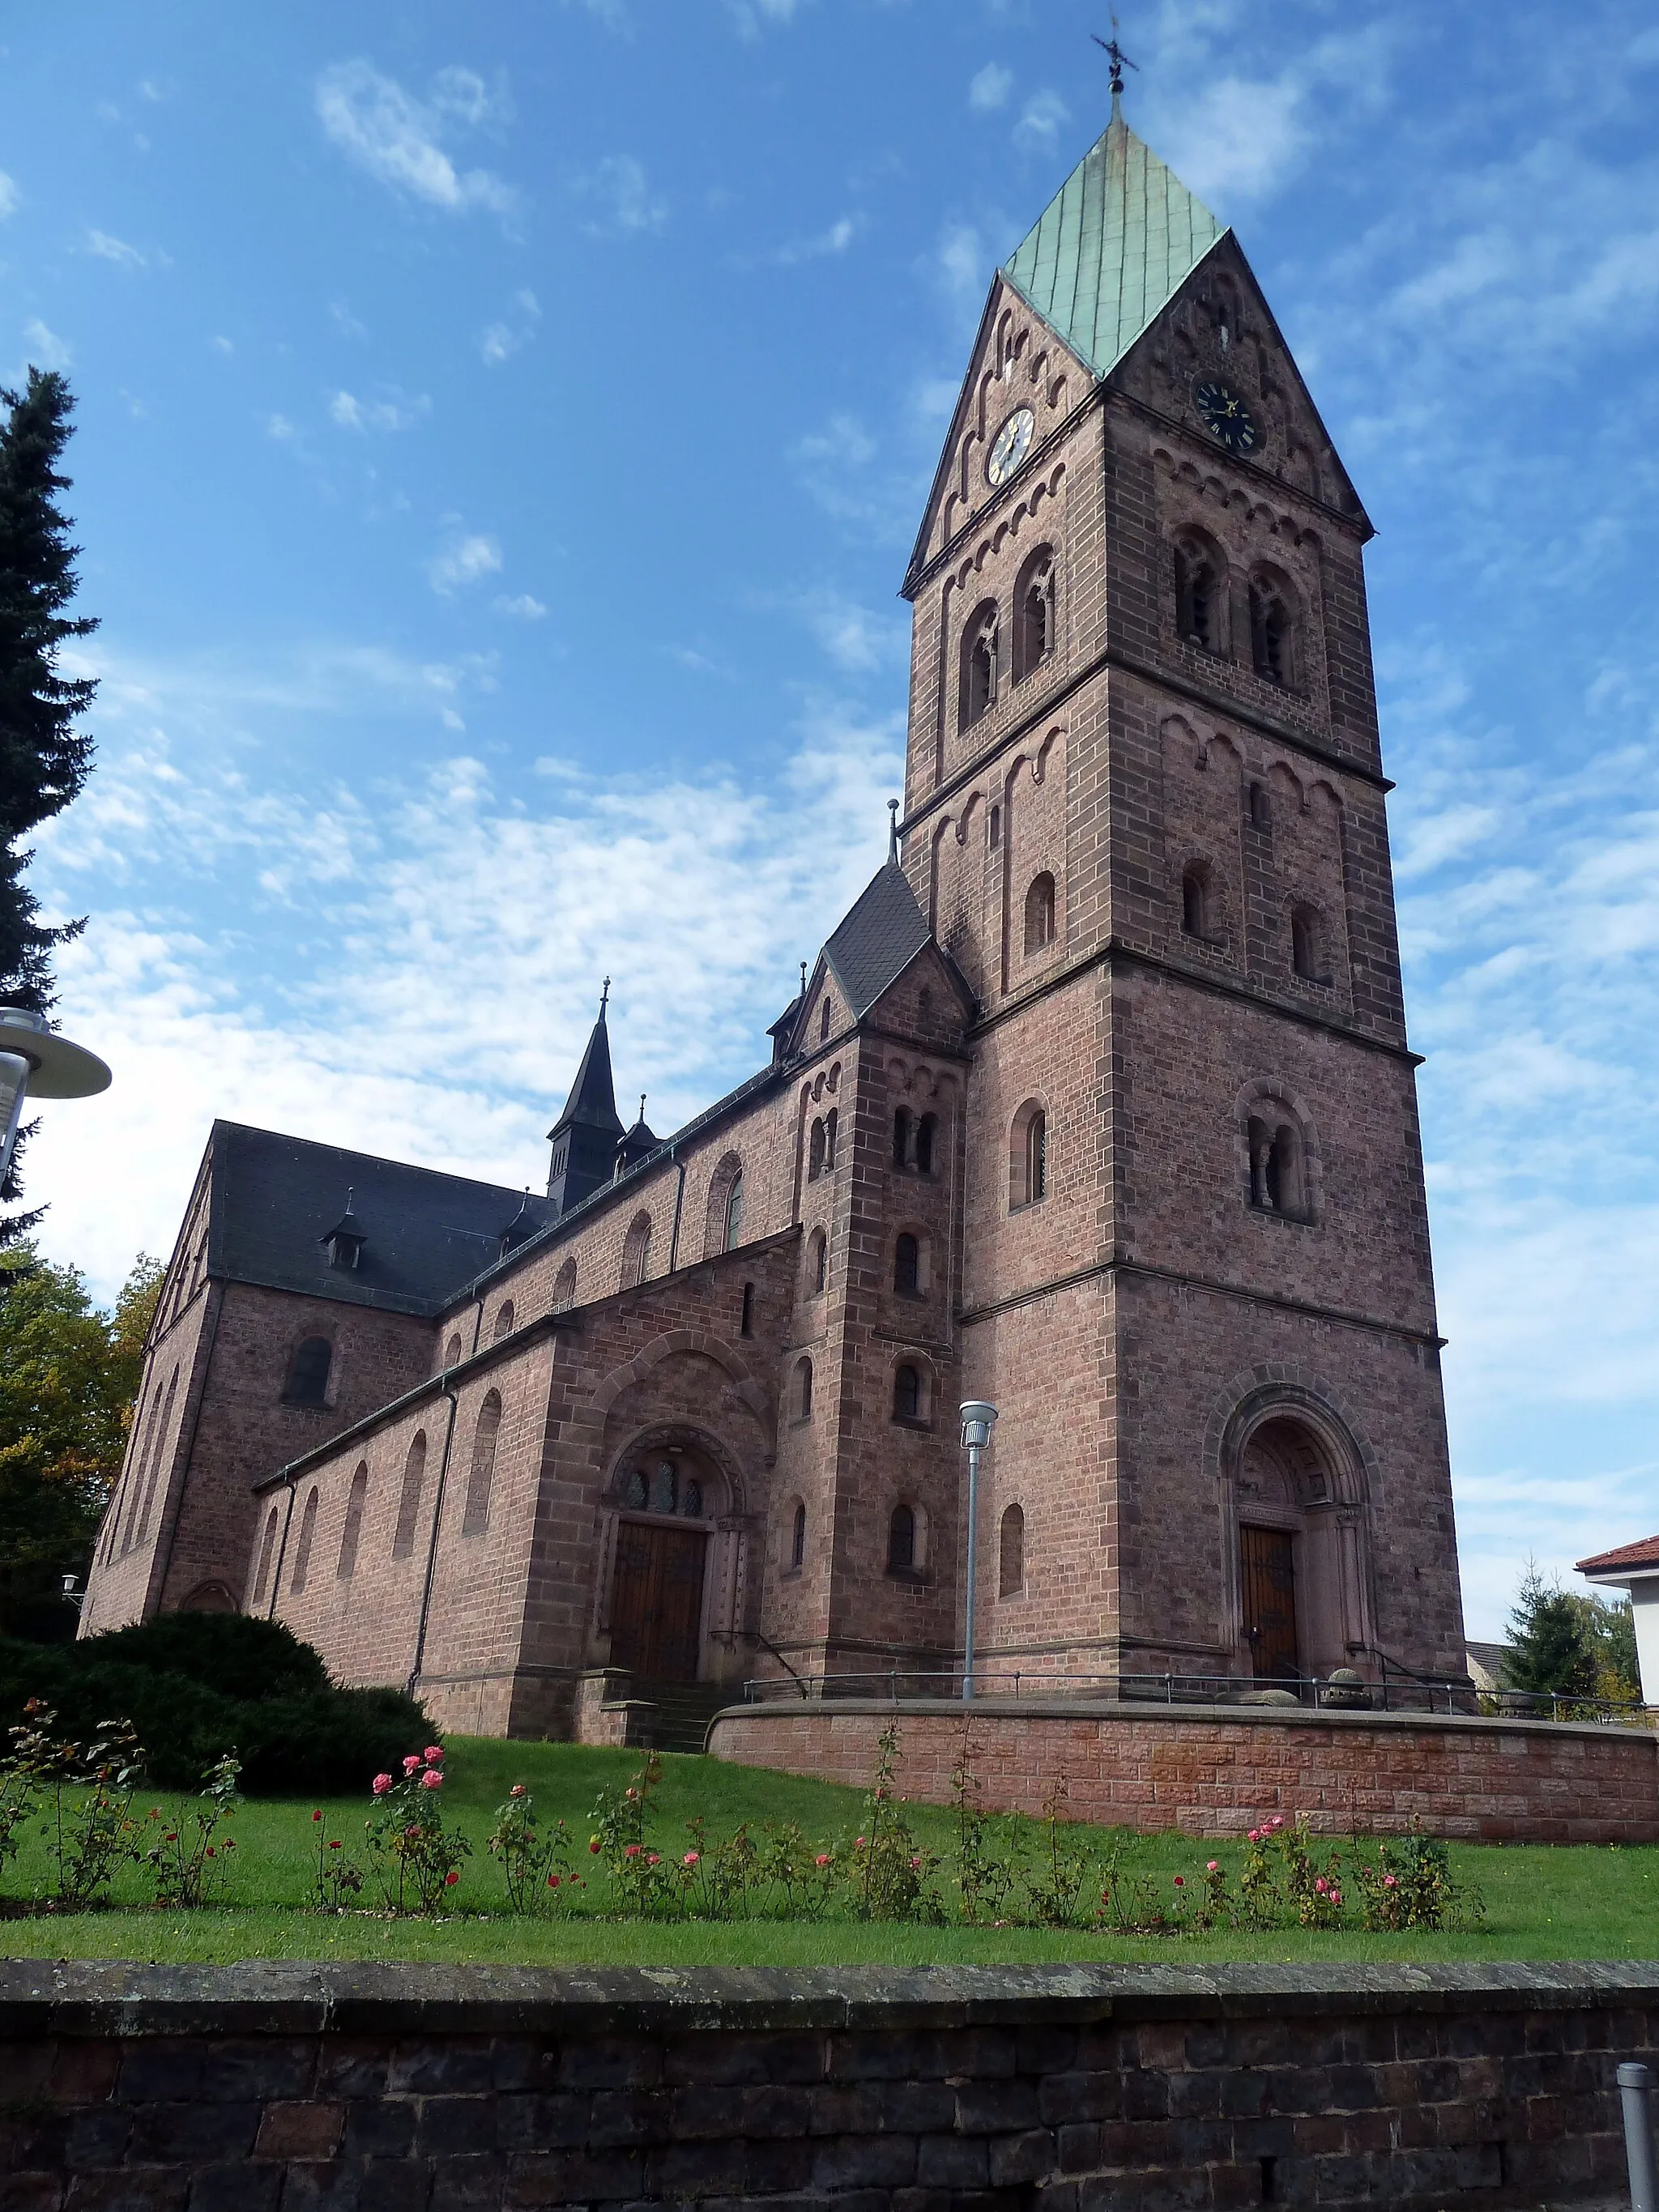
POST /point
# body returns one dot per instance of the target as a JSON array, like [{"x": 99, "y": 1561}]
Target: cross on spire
[{"x": 1119, "y": 60}]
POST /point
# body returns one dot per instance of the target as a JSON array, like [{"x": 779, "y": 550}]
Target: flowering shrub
[
  {"x": 887, "y": 1872},
  {"x": 643, "y": 1881},
  {"x": 536, "y": 1863},
  {"x": 338, "y": 1880},
  {"x": 1409, "y": 1885},
  {"x": 189, "y": 1855},
  {"x": 416, "y": 1859},
  {"x": 89, "y": 1790}
]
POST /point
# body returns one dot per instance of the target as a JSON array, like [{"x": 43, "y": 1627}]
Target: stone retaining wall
[
  {"x": 973, "y": 2089},
  {"x": 1216, "y": 1770}
]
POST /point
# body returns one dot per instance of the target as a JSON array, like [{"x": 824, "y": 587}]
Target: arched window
[
  {"x": 1304, "y": 944},
  {"x": 476, "y": 1519},
  {"x": 907, "y": 1266},
  {"x": 818, "y": 1262},
  {"x": 901, "y": 1542},
  {"x": 1272, "y": 629},
  {"x": 746, "y": 1316},
  {"x": 307, "y": 1537},
  {"x": 1198, "y": 587},
  {"x": 907, "y": 1392},
  {"x": 564, "y": 1287},
  {"x": 267, "y": 1546},
  {"x": 824, "y": 1023},
  {"x": 1279, "y": 1180},
  {"x": 158, "y": 1454},
  {"x": 1011, "y": 1563},
  {"x": 503, "y": 1320},
  {"x": 814, "y": 1153},
  {"x": 308, "y": 1378},
  {"x": 1028, "y": 1156},
  {"x": 1040, "y": 913},
  {"x": 1034, "y": 612},
  {"x": 453, "y": 1351},
  {"x": 734, "y": 1213},
  {"x": 803, "y": 1389},
  {"x": 1196, "y": 919},
  {"x": 926, "y": 1128},
  {"x": 901, "y": 1137},
  {"x": 979, "y": 663},
  {"x": 829, "y": 1121},
  {"x": 409, "y": 1500},
  {"x": 1259, "y": 807},
  {"x": 353, "y": 1530},
  {"x": 636, "y": 1251},
  {"x": 798, "y": 1539}
]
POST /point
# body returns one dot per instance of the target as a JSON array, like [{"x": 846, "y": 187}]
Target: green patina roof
[{"x": 1112, "y": 248}]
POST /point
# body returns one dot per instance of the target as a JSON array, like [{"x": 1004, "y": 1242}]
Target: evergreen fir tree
[
  {"x": 1551, "y": 1644},
  {"x": 45, "y": 756}
]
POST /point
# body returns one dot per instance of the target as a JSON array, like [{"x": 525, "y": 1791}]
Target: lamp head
[{"x": 978, "y": 1419}]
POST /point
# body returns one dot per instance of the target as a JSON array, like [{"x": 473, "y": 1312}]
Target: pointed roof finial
[
  {"x": 803, "y": 979},
  {"x": 892, "y": 831},
  {"x": 1119, "y": 61},
  {"x": 642, "y": 1099},
  {"x": 604, "y": 998}
]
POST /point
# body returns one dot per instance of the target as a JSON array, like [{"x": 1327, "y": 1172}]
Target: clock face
[
  {"x": 1013, "y": 443},
  {"x": 1226, "y": 417}
]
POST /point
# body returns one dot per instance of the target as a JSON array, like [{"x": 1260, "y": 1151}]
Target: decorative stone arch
[
  {"x": 1326, "y": 1507},
  {"x": 1271, "y": 1090},
  {"x": 700, "y": 1342},
  {"x": 209, "y": 1597},
  {"x": 664, "y": 1436},
  {"x": 723, "y": 1607},
  {"x": 1200, "y": 574}
]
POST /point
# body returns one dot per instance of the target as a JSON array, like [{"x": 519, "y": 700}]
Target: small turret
[
  {"x": 584, "y": 1138},
  {"x": 638, "y": 1144}
]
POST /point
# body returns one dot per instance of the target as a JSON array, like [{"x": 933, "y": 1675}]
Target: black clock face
[{"x": 1226, "y": 417}]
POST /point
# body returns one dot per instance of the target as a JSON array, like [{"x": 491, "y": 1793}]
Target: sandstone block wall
[
  {"x": 1218, "y": 1771},
  {"x": 1062, "y": 2089}
]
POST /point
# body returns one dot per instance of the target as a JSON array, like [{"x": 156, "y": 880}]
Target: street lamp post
[
  {"x": 978, "y": 1419},
  {"x": 36, "y": 1061}
]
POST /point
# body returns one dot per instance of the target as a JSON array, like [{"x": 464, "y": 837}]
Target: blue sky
[{"x": 502, "y": 433}]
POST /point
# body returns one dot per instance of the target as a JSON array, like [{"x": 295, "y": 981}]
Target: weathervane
[{"x": 1118, "y": 59}]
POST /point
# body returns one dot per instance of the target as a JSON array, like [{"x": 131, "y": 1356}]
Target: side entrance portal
[
  {"x": 656, "y": 1601},
  {"x": 1267, "y": 1578}
]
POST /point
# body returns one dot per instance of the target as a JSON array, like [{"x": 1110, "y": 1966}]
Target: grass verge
[{"x": 1542, "y": 1902}]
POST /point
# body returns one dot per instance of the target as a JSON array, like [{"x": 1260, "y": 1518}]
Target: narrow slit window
[
  {"x": 1040, "y": 913},
  {"x": 798, "y": 1540},
  {"x": 1011, "y": 1577},
  {"x": 351, "y": 1534},
  {"x": 907, "y": 1392},
  {"x": 907, "y": 1266},
  {"x": 925, "y": 1129},
  {"x": 901, "y": 1540}
]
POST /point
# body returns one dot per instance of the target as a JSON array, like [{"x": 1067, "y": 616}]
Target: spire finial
[
  {"x": 892, "y": 830},
  {"x": 642, "y": 1099},
  {"x": 803, "y": 979},
  {"x": 351, "y": 1194},
  {"x": 1119, "y": 61},
  {"x": 604, "y": 998}
]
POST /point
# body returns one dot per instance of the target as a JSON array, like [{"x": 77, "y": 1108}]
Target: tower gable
[{"x": 1217, "y": 328}]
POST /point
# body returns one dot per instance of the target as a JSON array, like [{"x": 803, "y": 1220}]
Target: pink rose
[
  {"x": 1213, "y": 1866},
  {"x": 655, "y": 1859},
  {"x": 632, "y": 1851},
  {"x": 691, "y": 1859},
  {"x": 382, "y": 1783},
  {"x": 411, "y": 1762},
  {"x": 1388, "y": 1882},
  {"x": 434, "y": 1754},
  {"x": 823, "y": 1859},
  {"x": 517, "y": 1790},
  {"x": 432, "y": 1779}
]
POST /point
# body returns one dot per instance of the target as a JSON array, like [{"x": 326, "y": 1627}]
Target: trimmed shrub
[{"x": 196, "y": 1686}]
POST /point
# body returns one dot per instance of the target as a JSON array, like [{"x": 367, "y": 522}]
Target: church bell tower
[{"x": 1144, "y": 814}]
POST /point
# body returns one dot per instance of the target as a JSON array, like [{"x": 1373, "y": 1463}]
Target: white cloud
[
  {"x": 464, "y": 561},
  {"x": 751, "y": 16},
  {"x": 498, "y": 341},
  {"x": 106, "y": 248},
  {"x": 523, "y": 608},
  {"x": 46, "y": 348},
  {"x": 398, "y": 138},
  {"x": 279, "y": 426},
  {"x": 10, "y": 198},
  {"x": 959, "y": 261},
  {"x": 990, "y": 88},
  {"x": 323, "y": 1025},
  {"x": 833, "y": 240},
  {"x": 619, "y": 192},
  {"x": 1038, "y": 128},
  {"x": 395, "y": 413},
  {"x": 853, "y": 638}
]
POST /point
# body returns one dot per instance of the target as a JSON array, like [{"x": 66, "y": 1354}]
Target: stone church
[{"x": 1097, "y": 1104}]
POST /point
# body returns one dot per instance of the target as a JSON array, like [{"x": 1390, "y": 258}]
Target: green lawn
[{"x": 1542, "y": 1902}]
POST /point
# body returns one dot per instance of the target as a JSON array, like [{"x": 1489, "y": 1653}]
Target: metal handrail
[{"x": 1449, "y": 1694}]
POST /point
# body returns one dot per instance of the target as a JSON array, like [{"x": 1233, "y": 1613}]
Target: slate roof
[
  {"x": 884, "y": 931},
  {"x": 1112, "y": 248},
  {"x": 592, "y": 1104},
  {"x": 425, "y": 1235},
  {"x": 1641, "y": 1557}
]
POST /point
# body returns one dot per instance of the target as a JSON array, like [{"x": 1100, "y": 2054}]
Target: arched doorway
[
  {"x": 667, "y": 1498},
  {"x": 1303, "y": 1606}
]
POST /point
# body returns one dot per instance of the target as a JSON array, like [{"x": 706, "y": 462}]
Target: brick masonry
[
  {"x": 1217, "y": 1771},
  {"x": 1177, "y": 1358},
  {"x": 1075, "y": 2089}
]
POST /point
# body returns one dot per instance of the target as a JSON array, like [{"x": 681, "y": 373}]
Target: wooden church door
[
  {"x": 1267, "y": 1559},
  {"x": 656, "y": 1601}
]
